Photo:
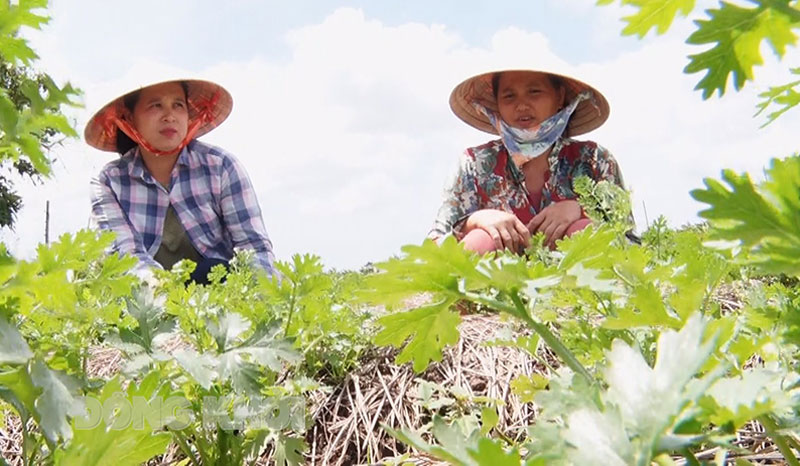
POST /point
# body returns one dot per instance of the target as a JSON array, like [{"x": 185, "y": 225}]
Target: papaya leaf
[
  {"x": 737, "y": 34},
  {"x": 13, "y": 348},
  {"x": 428, "y": 268},
  {"x": 430, "y": 328},
  {"x": 784, "y": 97},
  {"x": 763, "y": 220},
  {"x": 652, "y": 14}
]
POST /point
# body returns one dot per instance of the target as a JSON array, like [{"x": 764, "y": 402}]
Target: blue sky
[
  {"x": 243, "y": 28},
  {"x": 340, "y": 108}
]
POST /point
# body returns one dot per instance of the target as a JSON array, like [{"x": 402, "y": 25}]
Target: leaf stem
[
  {"x": 780, "y": 441},
  {"x": 553, "y": 341},
  {"x": 25, "y": 440},
  {"x": 791, "y": 12},
  {"x": 623, "y": 277},
  {"x": 222, "y": 446},
  {"x": 184, "y": 447},
  {"x": 691, "y": 460},
  {"x": 291, "y": 310},
  {"x": 312, "y": 344}
]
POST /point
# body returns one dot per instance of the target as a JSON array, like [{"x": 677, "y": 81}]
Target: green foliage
[
  {"x": 248, "y": 344},
  {"x": 316, "y": 310},
  {"x": 651, "y": 365},
  {"x": 120, "y": 438},
  {"x": 635, "y": 388},
  {"x": 787, "y": 96},
  {"x": 429, "y": 269},
  {"x": 31, "y": 103},
  {"x": 459, "y": 447},
  {"x": 737, "y": 33},
  {"x": 652, "y": 14},
  {"x": 605, "y": 203},
  {"x": 762, "y": 220},
  {"x": 52, "y": 309},
  {"x": 289, "y": 451},
  {"x": 636, "y": 414},
  {"x": 431, "y": 328}
]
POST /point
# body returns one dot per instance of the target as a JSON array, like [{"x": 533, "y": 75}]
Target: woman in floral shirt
[{"x": 508, "y": 189}]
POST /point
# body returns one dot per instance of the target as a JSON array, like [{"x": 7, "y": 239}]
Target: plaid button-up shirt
[{"x": 210, "y": 192}]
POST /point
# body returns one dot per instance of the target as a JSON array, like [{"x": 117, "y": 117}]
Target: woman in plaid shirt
[
  {"x": 508, "y": 189},
  {"x": 169, "y": 196}
]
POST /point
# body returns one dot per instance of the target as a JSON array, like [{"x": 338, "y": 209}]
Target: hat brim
[
  {"x": 100, "y": 137},
  {"x": 588, "y": 115}
]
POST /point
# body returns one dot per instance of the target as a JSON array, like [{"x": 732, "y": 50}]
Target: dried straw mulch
[{"x": 349, "y": 419}]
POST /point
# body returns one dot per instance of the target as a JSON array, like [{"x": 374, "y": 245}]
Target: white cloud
[{"x": 350, "y": 140}]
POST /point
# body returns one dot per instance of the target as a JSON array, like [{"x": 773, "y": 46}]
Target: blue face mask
[{"x": 526, "y": 144}]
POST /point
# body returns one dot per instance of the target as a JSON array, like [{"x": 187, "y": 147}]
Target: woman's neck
[{"x": 159, "y": 166}]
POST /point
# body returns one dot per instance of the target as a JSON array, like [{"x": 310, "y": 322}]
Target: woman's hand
[
  {"x": 507, "y": 231},
  {"x": 554, "y": 220}
]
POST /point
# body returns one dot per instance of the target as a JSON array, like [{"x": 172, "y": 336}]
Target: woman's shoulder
[
  {"x": 205, "y": 154},
  {"x": 119, "y": 166},
  {"x": 489, "y": 149},
  {"x": 577, "y": 144},
  {"x": 582, "y": 149}
]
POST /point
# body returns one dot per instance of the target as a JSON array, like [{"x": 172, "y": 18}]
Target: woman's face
[
  {"x": 161, "y": 116},
  {"x": 525, "y": 99}
]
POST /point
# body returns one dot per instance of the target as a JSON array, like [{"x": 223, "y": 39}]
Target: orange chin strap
[{"x": 203, "y": 109}]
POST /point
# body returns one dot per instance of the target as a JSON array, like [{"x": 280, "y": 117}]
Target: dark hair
[
  {"x": 556, "y": 81},
  {"x": 125, "y": 143}
]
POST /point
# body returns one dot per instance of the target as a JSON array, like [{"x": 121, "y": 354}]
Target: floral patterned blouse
[{"x": 487, "y": 178}]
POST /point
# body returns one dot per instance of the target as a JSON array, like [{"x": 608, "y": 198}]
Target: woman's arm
[
  {"x": 107, "y": 214},
  {"x": 459, "y": 200},
  {"x": 242, "y": 214}
]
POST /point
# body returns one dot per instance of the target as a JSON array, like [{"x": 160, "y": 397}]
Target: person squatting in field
[
  {"x": 169, "y": 196},
  {"x": 510, "y": 188}
]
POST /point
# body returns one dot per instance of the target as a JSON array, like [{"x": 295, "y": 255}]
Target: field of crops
[{"x": 680, "y": 350}]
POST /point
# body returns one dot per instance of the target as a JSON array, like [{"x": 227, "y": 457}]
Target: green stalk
[
  {"x": 793, "y": 442},
  {"x": 185, "y": 447},
  {"x": 552, "y": 341},
  {"x": 312, "y": 344},
  {"x": 791, "y": 12},
  {"x": 291, "y": 311},
  {"x": 222, "y": 448},
  {"x": 691, "y": 460},
  {"x": 780, "y": 441},
  {"x": 663, "y": 460},
  {"x": 25, "y": 441}
]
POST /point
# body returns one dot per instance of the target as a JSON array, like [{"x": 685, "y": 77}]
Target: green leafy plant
[
  {"x": 52, "y": 310},
  {"x": 736, "y": 34},
  {"x": 242, "y": 351},
  {"x": 31, "y": 103},
  {"x": 601, "y": 306},
  {"x": 760, "y": 219}
]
